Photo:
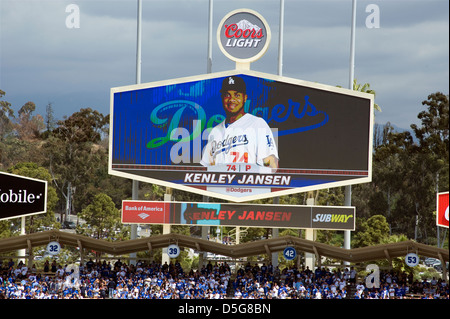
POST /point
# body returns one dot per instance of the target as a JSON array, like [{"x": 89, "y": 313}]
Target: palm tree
[{"x": 366, "y": 89}]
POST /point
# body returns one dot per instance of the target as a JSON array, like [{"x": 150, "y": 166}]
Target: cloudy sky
[{"x": 42, "y": 59}]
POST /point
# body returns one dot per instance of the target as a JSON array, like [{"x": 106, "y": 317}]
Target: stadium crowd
[{"x": 103, "y": 280}]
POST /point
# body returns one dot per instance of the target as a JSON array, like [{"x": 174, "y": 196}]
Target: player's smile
[{"x": 233, "y": 101}]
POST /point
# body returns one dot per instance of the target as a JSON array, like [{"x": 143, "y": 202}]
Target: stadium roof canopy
[{"x": 268, "y": 246}]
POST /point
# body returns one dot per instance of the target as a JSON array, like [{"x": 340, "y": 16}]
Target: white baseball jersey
[{"x": 247, "y": 140}]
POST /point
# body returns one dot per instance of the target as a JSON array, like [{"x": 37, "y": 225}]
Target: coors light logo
[{"x": 243, "y": 35}]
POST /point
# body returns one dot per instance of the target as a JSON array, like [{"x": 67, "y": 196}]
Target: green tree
[
  {"x": 387, "y": 173},
  {"x": 19, "y": 137},
  {"x": 6, "y": 116},
  {"x": 6, "y": 126},
  {"x": 29, "y": 127},
  {"x": 84, "y": 126},
  {"x": 426, "y": 165},
  {"x": 372, "y": 231},
  {"x": 102, "y": 219},
  {"x": 75, "y": 158},
  {"x": 366, "y": 89},
  {"x": 407, "y": 172},
  {"x": 433, "y": 136},
  {"x": 50, "y": 122}
]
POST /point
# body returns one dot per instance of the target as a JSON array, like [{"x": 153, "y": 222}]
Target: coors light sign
[{"x": 243, "y": 35}]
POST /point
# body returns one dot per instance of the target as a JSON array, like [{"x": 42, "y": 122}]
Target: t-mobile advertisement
[{"x": 21, "y": 196}]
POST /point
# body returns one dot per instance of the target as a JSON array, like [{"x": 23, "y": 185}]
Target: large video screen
[{"x": 241, "y": 136}]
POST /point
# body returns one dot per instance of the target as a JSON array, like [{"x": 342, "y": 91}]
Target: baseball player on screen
[{"x": 241, "y": 137}]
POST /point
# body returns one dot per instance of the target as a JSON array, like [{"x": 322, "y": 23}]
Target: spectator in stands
[{"x": 169, "y": 281}]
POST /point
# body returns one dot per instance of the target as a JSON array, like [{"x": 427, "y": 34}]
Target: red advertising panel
[
  {"x": 442, "y": 210},
  {"x": 248, "y": 215},
  {"x": 152, "y": 212}
]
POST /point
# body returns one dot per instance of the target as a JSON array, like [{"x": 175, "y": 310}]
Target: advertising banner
[
  {"x": 248, "y": 215},
  {"x": 241, "y": 135},
  {"x": 21, "y": 196},
  {"x": 442, "y": 210},
  {"x": 243, "y": 35}
]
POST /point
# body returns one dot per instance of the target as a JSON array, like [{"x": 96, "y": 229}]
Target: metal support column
[
  {"x": 348, "y": 189},
  {"x": 135, "y": 187}
]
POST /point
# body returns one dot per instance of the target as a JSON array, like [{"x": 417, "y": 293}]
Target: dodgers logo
[
  {"x": 180, "y": 125},
  {"x": 269, "y": 141},
  {"x": 224, "y": 146}
]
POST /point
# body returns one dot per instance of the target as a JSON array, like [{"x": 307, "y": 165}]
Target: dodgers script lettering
[{"x": 175, "y": 111}]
